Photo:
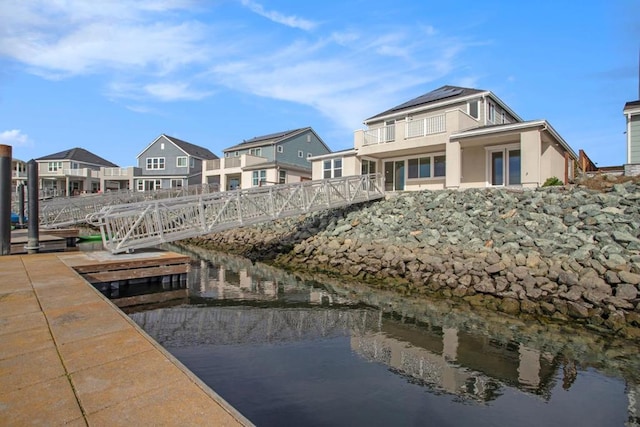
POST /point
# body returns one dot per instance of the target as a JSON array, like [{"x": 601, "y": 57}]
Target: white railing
[
  {"x": 380, "y": 135},
  {"x": 118, "y": 172},
  {"x": 426, "y": 126},
  {"x": 131, "y": 226}
]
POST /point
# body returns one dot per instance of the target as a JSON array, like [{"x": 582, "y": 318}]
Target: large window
[
  {"x": 473, "y": 110},
  {"x": 259, "y": 178},
  {"x": 504, "y": 165},
  {"x": 491, "y": 114},
  {"x": 148, "y": 184},
  {"x": 256, "y": 152},
  {"x": 332, "y": 168},
  {"x": 181, "y": 161},
  {"x": 368, "y": 167},
  {"x": 426, "y": 167},
  {"x": 54, "y": 166},
  {"x": 176, "y": 183},
  {"x": 155, "y": 163}
]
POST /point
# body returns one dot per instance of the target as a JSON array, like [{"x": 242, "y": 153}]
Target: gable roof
[
  {"x": 192, "y": 149},
  {"x": 271, "y": 138},
  {"x": 79, "y": 155},
  {"x": 187, "y": 147}
]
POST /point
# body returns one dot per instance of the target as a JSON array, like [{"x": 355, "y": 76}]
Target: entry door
[
  {"x": 505, "y": 167},
  {"x": 394, "y": 175}
]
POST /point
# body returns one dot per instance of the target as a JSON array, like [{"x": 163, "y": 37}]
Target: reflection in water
[{"x": 238, "y": 304}]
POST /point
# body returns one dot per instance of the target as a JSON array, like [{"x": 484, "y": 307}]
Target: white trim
[
  {"x": 629, "y": 137},
  {"x": 504, "y": 148},
  {"x": 350, "y": 152},
  {"x": 186, "y": 161},
  {"x": 432, "y": 165}
]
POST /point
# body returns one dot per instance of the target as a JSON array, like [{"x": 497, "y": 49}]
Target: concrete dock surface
[{"x": 68, "y": 356}]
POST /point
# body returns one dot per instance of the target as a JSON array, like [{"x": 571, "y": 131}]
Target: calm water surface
[{"x": 284, "y": 351}]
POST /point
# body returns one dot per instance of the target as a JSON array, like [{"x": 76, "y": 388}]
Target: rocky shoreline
[{"x": 557, "y": 253}]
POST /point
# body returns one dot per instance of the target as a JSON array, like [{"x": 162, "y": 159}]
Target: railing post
[
  {"x": 5, "y": 199},
  {"x": 33, "y": 235}
]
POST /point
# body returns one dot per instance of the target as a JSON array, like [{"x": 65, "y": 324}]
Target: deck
[{"x": 70, "y": 356}]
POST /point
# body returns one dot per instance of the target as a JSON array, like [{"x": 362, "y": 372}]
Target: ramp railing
[{"x": 137, "y": 225}]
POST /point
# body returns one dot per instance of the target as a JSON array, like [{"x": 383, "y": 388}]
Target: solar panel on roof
[{"x": 442, "y": 93}]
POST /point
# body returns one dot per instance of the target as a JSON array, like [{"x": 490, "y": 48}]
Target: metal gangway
[
  {"x": 66, "y": 211},
  {"x": 131, "y": 226}
]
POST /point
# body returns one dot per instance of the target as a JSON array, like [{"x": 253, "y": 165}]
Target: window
[
  {"x": 192, "y": 162},
  {"x": 309, "y": 155},
  {"x": 256, "y": 152},
  {"x": 426, "y": 167},
  {"x": 280, "y": 149},
  {"x": 162, "y": 145},
  {"x": 176, "y": 183},
  {"x": 55, "y": 166},
  {"x": 148, "y": 184},
  {"x": 300, "y": 154},
  {"x": 491, "y": 115},
  {"x": 259, "y": 178},
  {"x": 140, "y": 185},
  {"x": 332, "y": 168},
  {"x": 282, "y": 177},
  {"x": 75, "y": 165},
  {"x": 472, "y": 109},
  {"x": 368, "y": 167},
  {"x": 181, "y": 162},
  {"x": 308, "y": 138},
  {"x": 504, "y": 165},
  {"x": 236, "y": 154},
  {"x": 155, "y": 163},
  {"x": 226, "y": 154}
]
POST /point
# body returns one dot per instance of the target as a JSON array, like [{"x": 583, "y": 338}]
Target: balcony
[
  {"x": 122, "y": 173},
  {"x": 237, "y": 163},
  {"x": 416, "y": 128}
]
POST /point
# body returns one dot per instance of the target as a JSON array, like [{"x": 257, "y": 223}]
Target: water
[{"x": 289, "y": 351}]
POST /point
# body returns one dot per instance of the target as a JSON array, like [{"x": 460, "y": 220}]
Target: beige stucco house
[
  {"x": 453, "y": 137},
  {"x": 632, "y": 114}
]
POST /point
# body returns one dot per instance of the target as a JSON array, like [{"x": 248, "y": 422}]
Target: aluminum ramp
[{"x": 144, "y": 224}]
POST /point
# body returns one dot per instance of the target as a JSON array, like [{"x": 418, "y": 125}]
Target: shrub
[{"x": 552, "y": 181}]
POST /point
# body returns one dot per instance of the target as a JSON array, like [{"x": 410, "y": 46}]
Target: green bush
[{"x": 552, "y": 181}]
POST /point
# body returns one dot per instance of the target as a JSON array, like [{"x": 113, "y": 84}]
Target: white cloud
[
  {"x": 15, "y": 138},
  {"x": 174, "y": 92},
  {"x": 279, "y": 18}
]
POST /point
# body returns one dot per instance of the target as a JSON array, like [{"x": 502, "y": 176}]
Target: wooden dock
[
  {"x": 54, "y": 240},
  {"x": 70, "y": 356}
]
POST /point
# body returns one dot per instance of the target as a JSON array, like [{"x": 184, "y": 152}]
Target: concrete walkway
[{"x": 69, "y": 356}]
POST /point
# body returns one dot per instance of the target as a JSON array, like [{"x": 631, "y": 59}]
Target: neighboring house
[
  {"x": 18, "y": 174},
  {"x": 632, "y": 113},
  {"x": 169, "y": 163},
  {"x": 278, "y": 158},
  {"x": 454, "y": 137},
  {"x": 71, "y": 172}
]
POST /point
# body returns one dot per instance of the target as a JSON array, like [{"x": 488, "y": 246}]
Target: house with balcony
[
  {"x": 277, "y": 158},
  {"x": 454, "y": 137},
  {"x": 70, "y": 172},
  {"x": 632, "y": 114},
  {"x": 169, "y": 162},
  {"x": 18, "y": 174}
]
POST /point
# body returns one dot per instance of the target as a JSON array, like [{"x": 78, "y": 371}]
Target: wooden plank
[
  {"x": 114, "y": 276},
  {"x": 131, "y": 264},
  {"x": 151, "y": 298}
]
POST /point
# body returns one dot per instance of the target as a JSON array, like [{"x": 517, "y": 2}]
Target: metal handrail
[{"x": 126, "y": 227}]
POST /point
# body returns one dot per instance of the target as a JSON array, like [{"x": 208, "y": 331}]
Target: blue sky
[{"x": 111, "y": 76}]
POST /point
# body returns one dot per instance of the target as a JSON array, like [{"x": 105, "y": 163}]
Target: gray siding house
[
  {"x": 277, "y": 158},
  {"x": 170, "y": 163},
  {"x": 632, "y": 113}
]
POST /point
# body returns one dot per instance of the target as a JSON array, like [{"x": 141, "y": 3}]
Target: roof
[
  {"x": 271, "y": 138},
  {"x": 79, "y": 155},
  {"x": 632, "y": 106},
  {"x": 192, "y": 149},
  {"x": 345, "y": 152},
  {"x": 442, "y": 93},
  {"x": 493, "y": 129},
  {"x": 280, "y": 165}
]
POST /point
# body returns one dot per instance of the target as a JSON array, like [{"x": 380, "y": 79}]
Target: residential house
[
  {"x": 70, "y": 172},
  {"x": 632, "y": 114},
  {"x": 169, "y": 163},
  {"x": 18, "y": 174},
  {"x": 454, "y": 137},
  {"x": 277, "y": 158}
]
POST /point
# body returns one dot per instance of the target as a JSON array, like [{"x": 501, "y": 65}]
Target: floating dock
[{"x": 70, "y": 356}]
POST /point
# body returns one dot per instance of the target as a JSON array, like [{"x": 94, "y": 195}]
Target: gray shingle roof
[
  {"x": 267, "y": 139},
  {"x": 439, "y": 94},
  {"x": 192, "y": 149},
  {"x": 79, "y": 155}
]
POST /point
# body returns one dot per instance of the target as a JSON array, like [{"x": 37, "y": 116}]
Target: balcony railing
[
  {"x": 380, "y": 135},
  {"x": 426, "y": 126},
  {"x": 234, "y": 162},
  {"x": 115, "y": 172}
]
